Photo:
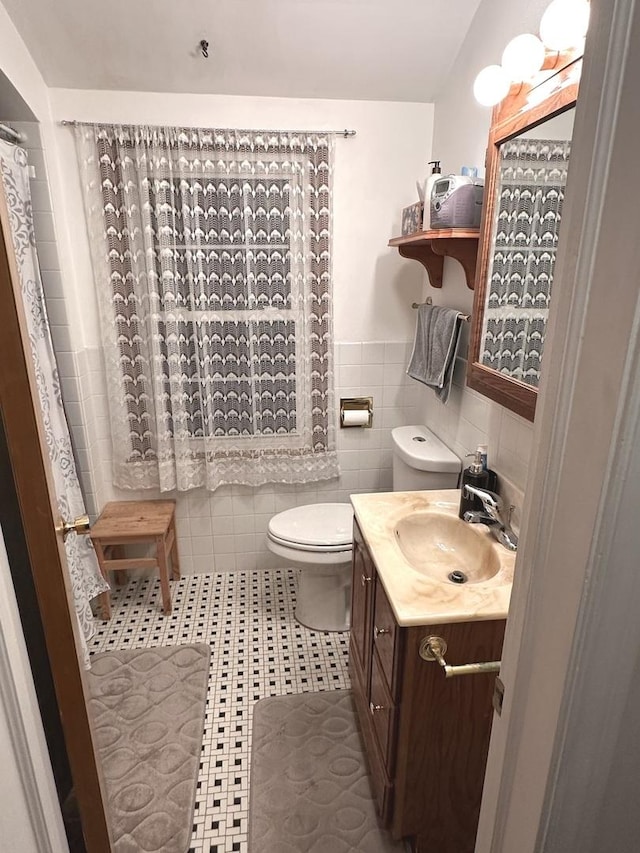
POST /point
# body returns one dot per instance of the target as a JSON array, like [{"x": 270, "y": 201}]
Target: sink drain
[{"x": 457, "y": 577}]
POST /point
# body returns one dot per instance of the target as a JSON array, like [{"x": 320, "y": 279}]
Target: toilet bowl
[{"x": 316, "y": 540}]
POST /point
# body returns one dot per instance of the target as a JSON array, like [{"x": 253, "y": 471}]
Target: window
[
  {"x": 224, "y": 271},
  {"x": 212, "y": 262}
]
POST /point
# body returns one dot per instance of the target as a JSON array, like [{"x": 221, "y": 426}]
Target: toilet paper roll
[{"x": 355, "y": 417}]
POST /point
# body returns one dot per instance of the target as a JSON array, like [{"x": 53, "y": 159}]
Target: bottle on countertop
[
  {"x": 475, "y": 475},
  {"x": 482, "y": 450},
  {"x": 493, "y": 477},
  {"x": 436, "y": 172}
]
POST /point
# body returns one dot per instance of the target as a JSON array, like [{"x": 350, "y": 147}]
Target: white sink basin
[{"x": 447, "y": 549}]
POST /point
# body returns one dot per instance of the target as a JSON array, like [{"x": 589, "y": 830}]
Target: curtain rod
[
  {"x": 10, "y": 134},
  {"x": 346, "y": 133}
]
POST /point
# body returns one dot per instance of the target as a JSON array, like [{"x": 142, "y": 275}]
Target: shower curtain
[{"x": 85, "y": 577}]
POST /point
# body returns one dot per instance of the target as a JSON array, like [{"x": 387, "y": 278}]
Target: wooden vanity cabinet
[{"x": 425, "y": 736}]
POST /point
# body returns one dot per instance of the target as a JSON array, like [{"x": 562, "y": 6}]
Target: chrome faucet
[{"x": 492, "y": 516}]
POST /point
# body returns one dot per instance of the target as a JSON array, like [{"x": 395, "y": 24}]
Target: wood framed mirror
[{"x": 526, "y": 168}]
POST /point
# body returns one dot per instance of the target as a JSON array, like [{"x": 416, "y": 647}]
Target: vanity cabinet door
[
  {"x": 443, "y": 738},
  {"x": 375, "y": 733}
]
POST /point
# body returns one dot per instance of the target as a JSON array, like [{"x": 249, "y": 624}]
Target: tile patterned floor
[{"x": 257, "y": 650}]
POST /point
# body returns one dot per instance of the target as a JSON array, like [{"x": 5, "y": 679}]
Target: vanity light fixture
[
  {"x": 523, "y": 57},
  {"x": 491, "y": 85},
  {"x": 564, "y": 24},
  {"x": 563, "y": 27}
]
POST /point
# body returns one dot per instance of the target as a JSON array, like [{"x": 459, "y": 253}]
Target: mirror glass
[{"x": 530, "y": 184}]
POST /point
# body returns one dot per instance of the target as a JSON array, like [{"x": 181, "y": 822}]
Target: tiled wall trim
[{"x": 226, "y": 530}]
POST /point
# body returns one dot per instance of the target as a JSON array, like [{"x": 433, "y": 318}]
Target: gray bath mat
[
  {"x": 309, "y": 788},
  {"x": 148, "y": 716}
]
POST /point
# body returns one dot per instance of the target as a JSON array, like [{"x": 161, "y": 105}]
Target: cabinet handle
[
  {"x": 364, "y": 579},
  {"x": 373, "y": 708},
  {"x": 379, "y": 631}
]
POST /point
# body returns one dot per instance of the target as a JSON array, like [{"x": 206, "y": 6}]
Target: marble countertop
[{"x": 416, "y": 598}]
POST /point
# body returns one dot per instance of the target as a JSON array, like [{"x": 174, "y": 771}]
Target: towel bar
[
  {"x": 434, "y": 648},
  {"x": 428, "y": 301}
]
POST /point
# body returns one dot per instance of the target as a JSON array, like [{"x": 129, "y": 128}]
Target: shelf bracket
[
  {"x": 431, "y": 247},
  {"x": 430, "y": 260},
  {"x": 465, "y": 251}
]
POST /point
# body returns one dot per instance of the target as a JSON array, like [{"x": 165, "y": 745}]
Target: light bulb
[
  {"x": 491, "y": 85},
  {"x": 522, "y": 57},
  {"x": 565, "y": 24}
]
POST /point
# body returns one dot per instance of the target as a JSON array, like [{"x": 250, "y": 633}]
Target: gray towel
[{"x": 435, "y": 347}]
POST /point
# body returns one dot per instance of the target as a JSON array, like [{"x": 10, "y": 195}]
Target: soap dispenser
[
  {"x": 436, "y": 173},
  {"x": 475, "y": 475},
  {"x": 492, "y": 483}
]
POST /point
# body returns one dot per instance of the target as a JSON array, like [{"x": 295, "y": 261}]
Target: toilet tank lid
[
  {"x": 422, "y": 450},
  {"x": 315, "y": 524}
]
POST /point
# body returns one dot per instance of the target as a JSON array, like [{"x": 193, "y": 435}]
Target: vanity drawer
[
  {"x": 381, "y": 785},
  {"x": 386, "y": 638},
  {"x": 383, "y": 713}
]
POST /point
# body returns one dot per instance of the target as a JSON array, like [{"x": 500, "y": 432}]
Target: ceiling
[{"x": 397, "y": 50}]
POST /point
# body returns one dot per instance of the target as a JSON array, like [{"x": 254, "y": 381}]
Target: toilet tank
[{"x": 421, "y": 461}]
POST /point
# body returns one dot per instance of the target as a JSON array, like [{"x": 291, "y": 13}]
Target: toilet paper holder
[{"x": 356, "y": 412}]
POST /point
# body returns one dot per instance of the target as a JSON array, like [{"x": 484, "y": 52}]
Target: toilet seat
[
  {"x": 316, "y": 549},
  {"x": 324, "y": 528}
]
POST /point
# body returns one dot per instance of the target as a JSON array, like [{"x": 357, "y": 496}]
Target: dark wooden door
[
  {"x": 27, "y": 600},
  {"x": 32, "y": 476}
]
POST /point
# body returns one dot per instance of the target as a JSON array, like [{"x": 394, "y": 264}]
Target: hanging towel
[{"x": 435, "y": 347}]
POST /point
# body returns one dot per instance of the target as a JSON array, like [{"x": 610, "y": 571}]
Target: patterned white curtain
[
  {"x": 211, "y": 253},
  {"x": 531, "y": 185},
  {"x": 86, "y": 580}
]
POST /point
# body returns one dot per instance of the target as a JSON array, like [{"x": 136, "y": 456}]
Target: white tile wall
[
  {"x": 469, "y": 419},
  {"x": 226, "y": 530}
]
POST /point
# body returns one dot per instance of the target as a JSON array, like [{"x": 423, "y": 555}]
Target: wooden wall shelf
[{"x": 430, "y": 247}]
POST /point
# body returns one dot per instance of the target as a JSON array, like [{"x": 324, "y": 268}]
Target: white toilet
[
  {"x": 316, "y": 538},
  {"x": 421, "y": 461}
]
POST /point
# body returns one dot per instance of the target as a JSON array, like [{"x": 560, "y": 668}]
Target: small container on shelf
[{"x": 412, "y": 219}]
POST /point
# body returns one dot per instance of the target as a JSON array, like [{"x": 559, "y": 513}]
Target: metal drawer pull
[
  {"x": 373, "y": 708},
  {"x": 435, "y": 648},
  {"x": 364, "y": 579},
  {"x": 377, "y": 632}
]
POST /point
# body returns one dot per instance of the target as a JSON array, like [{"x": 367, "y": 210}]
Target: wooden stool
[{"x": 129, "y": 522}]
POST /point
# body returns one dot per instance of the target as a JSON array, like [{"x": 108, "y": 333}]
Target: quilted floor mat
[
  {"x": 148, "y": 710},
  {"x": 309, "y": 787}
]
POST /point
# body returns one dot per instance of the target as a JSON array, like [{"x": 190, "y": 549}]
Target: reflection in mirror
[{"x": 530, "y": 188}]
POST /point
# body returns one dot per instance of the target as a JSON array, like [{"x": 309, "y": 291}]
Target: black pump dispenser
[
  {"x": 475, "y": 475},
  {"x": 436, "y": 167}
]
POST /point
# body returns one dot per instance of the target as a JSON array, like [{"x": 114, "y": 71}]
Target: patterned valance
[{"x": 211, "y": 253}]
